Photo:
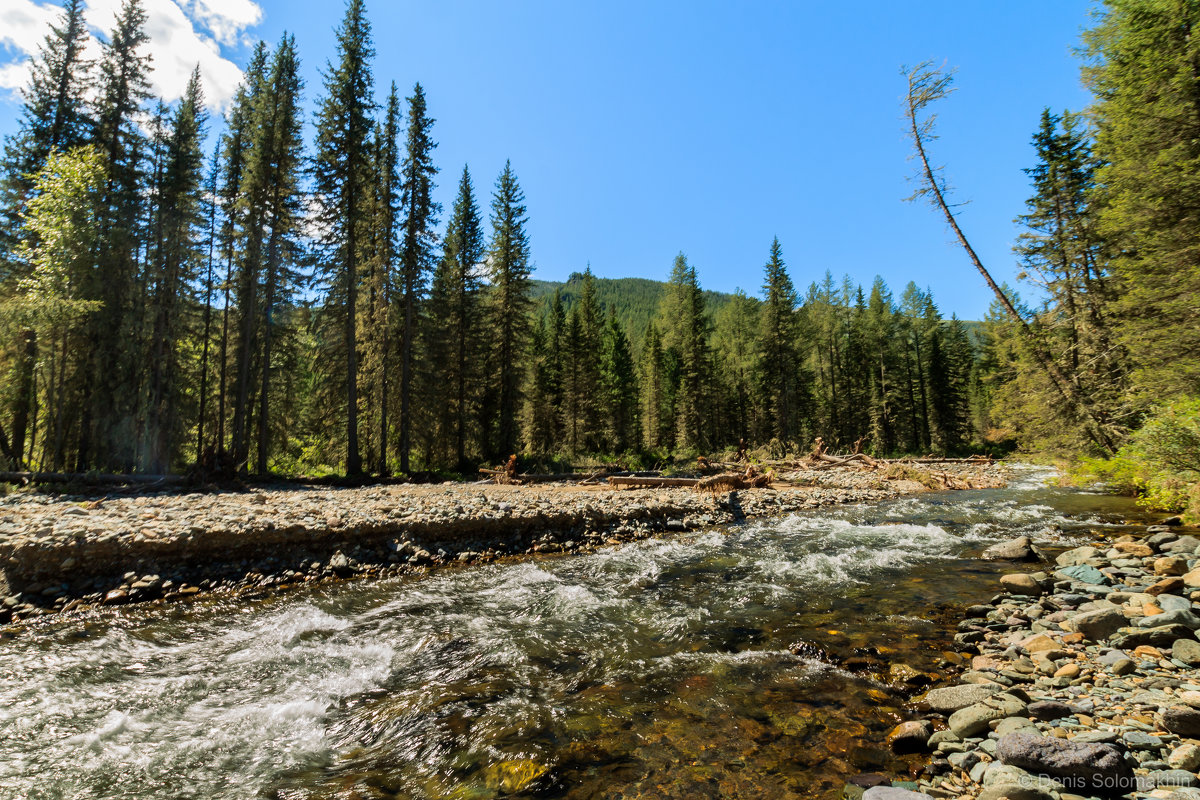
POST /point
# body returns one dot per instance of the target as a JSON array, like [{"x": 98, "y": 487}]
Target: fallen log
[
  {"x": 825, "y": 461},
  {"x": 632, "y": 482}
]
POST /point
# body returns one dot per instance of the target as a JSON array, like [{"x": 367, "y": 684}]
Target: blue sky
[{"x": 641, "y": 129}]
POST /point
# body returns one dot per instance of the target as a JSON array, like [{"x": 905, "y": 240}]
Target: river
[{"x": 689, "y": 667}]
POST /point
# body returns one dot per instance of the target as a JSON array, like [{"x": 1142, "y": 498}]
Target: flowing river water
[{"x": 690, "y": 667}]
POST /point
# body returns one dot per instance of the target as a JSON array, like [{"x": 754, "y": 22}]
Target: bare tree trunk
[
  {"x": 24, "y": 400},
  {"x": 926, "y": 85}
]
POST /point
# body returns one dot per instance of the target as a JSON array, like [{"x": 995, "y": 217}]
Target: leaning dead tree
[{"x": 926, "y": 85}]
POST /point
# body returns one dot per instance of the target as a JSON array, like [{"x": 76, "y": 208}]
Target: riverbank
[
  {"x": 64, "y": 552},
  {"x": 1084, "y": 680}
]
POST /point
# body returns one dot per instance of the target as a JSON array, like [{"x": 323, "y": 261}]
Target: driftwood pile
[{"x": 716, "y": 477}]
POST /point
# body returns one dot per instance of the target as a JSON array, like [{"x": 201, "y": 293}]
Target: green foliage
[
  {"x": 1142, "y": 61},
  {"x": 1160, "y": 462}
]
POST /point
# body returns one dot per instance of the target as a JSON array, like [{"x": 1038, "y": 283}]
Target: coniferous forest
[{"x": 273, "y": 294}]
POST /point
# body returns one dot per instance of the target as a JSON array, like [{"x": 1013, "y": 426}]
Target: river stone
[
  {"x": 1181, "y": 720},
  {"x": 893, "y": 793},
  {"x": 1080, "y": 555},
  {"x": 974, "y": 719},
  {"x": 910, "y": 737},
  {"x": 1170, "y": 565},
  {"x": 1173, "y": 602},
  {"x": 1047, "y": 710},
  {"x": 1097, "y": 625},
  {"x": 1172, "y": 778},
  {"x": 1186, "y": 757},
  {"x": 1192, "y": 579},
  {"x": 1019, "y": 549},
  {"x": 951, "y": 698},
  {"x": 1017, "y": 791},
  {"x": 1134, "y": 549},
  {"x": 1187, "y": 651},
  {"x": 1020, "y": 583},
  {"x": 1163, "y": 636},
  {"x": 1083, "y": 573},
  {"x": 1014, "y": 725},
  {"x": 1099, "y": 766},
  {"x": 1168, "y": 585},
  {"x": 1184, "y": 544},
  {"x": 1007, "y": 781},
  {"x": 1176, "y": 616}
]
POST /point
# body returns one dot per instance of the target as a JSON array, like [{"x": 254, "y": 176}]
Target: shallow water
[{"x": 660, "y": 668}]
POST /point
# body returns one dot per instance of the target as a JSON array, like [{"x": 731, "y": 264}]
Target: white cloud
[
  {"x": 182, "y": 35},
  {"x": 23, "y": 23},
  {"x": 226, "y": 19}
]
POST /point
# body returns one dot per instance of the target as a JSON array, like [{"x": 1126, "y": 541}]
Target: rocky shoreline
[
  {"x": 68, "y": 552},
  {"x": 1083, "y": 681}
]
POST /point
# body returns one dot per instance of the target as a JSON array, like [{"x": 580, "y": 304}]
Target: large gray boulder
[
  {"x": 1019, "y": 549},
  {"x": 1098, "y": 767},
  {"x": 1097, "y": 625},
  {"x": 975, "y": 719},
  {"x": 949, "y": 699}
]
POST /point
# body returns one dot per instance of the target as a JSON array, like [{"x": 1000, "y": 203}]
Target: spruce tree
[
  {"x": 416, "y": 249},
  {"x": 235, "y": 150},
  {"x": 652, "y": 375},
  {"x": 508, "y": 264},
  {"x": 456, "y": 328},
  {"x": 778, "y": 347},
  {"x": 180, "y": 216},
  {"x": 377, "y": 335},
  {"x": 618, "y": 382},
  {"x": 108, "y": 414},
  {"x": 271, "y": 203},
  {"x": 342, "y": 172},
  {"x": 687, "y": 330}
]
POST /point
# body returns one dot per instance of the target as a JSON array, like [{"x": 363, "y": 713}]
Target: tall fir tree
[
  {"x": 779, "y": 342},
  {"x": 108, "y": 427},
  {"x": 235, "y": 152},
  {"x": 377, "y": 333},
  {"x": 456, "y": 329},
  {"x": 619, "y": 391},
  {"x": 686, "y": 323},
  {"x": 416, "y": 249},
  {"x": 508, "y": 265},
  {"x": 342, "y": 173},
  {"x": 272, "y": 205},
  {"x": 180, "y": 217}
]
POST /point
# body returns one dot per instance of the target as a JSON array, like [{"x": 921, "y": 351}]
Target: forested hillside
[{"x": 268, "y": 293}]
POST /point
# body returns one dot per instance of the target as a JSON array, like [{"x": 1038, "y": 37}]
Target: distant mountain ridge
[{"x": 635, "y": 300}]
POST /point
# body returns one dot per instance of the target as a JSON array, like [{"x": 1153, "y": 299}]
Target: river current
[{"x": 713, "y": 664}]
